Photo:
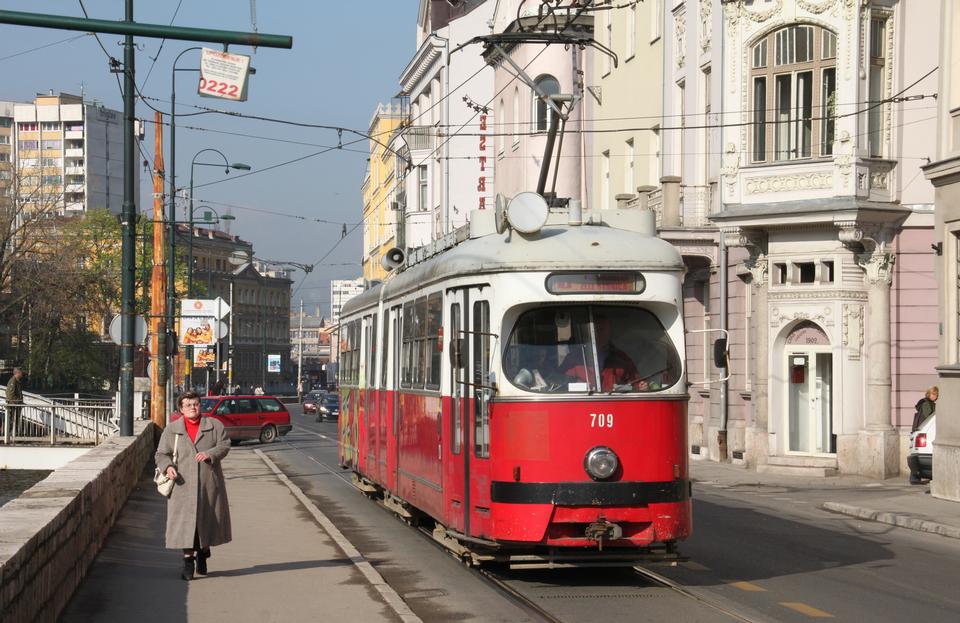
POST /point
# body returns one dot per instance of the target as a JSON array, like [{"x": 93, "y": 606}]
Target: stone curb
[{"x": 894, "y": 519}]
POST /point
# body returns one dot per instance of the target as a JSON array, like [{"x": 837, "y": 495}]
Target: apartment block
[{"x": 68, "y": 155}]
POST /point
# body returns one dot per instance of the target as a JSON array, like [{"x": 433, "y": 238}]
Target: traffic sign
[
  {"x": 222, "y": 307},
  {"x": 223, "y": 75},
  {"x": 139, "y": 330}
]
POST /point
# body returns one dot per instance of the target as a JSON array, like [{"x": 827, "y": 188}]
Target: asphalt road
[{"x": 757, "y": 554}]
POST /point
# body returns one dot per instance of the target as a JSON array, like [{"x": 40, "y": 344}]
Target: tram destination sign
[{"x": 596, "y": 282}]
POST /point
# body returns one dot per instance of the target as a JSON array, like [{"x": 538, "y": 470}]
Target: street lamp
[
  {"x": 171, "y": 292},
  {"x": 239, "y": 166}
]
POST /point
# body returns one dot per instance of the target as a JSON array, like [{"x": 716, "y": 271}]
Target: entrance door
[
  {"x": 810, "y": 396},
  {"x": 809, "y": 391}
]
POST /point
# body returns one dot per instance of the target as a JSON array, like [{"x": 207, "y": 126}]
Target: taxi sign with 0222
[{"x": 223, "y": 75}]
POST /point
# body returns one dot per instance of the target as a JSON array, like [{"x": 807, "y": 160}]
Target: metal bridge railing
[{"x": 58, "y": 421}]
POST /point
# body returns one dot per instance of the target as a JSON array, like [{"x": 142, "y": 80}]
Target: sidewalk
[
  {"x": 286, "y": 562},
  {"x": 894, "y": 501}
]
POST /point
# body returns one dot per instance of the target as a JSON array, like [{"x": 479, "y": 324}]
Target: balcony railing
[
  {"x": 420, "y": 137},
  {"x": 697, "y": 206}
]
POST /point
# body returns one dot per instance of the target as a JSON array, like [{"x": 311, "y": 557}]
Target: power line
[
  {"x": 300, "y": 124},
  {"x": 48, "y": 45},
  {"x": 327, "y": 254},
  {"x": 200, "y": 200},
  {"x": 260, "y": 137},
  {"x": 160, "y": 49}
]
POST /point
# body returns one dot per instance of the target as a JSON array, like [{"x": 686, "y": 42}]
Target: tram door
[
  {"x": 481, "y": 391},
  {"x": 456, "y": 473},
  {"x": 392, "y": 415},
  {"x": 370, "y": 392}
]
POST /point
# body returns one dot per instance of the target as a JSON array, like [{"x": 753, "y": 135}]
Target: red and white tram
[{"x": 526, "y": 391}]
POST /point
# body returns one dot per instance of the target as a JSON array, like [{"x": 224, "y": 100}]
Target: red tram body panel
[{"x": 527, "y": 394}]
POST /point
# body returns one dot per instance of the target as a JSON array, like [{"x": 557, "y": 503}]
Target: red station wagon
[{"x": 247, "y": 417}]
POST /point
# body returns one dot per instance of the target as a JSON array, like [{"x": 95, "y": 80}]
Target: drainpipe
[
  {"x": 724, "y": 407},
  {"x": 724, "y": 386},
  {"x": 446, "y": 228}
]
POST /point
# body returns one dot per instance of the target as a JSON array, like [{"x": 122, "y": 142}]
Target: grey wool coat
[{"x": 199, "y": 499}]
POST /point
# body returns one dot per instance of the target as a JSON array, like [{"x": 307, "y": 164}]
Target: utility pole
[
  {"x": 128, "y": 213},
  {"x": 300, "y": 356},
  {"x": 158, "y": 284},
  {"x": 128, "y": 220},
  {"x": 230, "y": 340}
]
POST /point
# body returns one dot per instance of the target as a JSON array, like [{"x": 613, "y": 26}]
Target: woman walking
[{"x": 198, "y": 514}]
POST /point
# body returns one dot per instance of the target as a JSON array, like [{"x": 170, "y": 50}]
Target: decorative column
[
  {"x": 758, "y": 435},
  {"x": 879, "y": 443},
  {"x": 671, "y": 201}
]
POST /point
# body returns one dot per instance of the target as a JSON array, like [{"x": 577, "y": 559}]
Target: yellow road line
[
  {"x": 810, "y": 611},
  {"x": 694, "y": 566},
  {"x": 747, "y": 586}
]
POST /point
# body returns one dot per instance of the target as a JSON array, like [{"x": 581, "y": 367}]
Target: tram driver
[{"x": 618, "y": 372}]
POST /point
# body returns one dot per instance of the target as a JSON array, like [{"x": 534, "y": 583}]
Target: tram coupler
[{"x": 602, "y": 530}]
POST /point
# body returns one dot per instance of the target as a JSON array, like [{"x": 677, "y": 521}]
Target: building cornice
[
  {"x": 426, "y": 57},
  {"x": 943, "y": 172}
]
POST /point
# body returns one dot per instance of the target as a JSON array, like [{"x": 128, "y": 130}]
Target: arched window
[
  {"x": 793, "y": 85},
  {"x": 542, "y": 112}
]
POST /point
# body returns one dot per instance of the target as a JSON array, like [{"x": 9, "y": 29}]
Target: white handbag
[{"x": 164, "y": 483}]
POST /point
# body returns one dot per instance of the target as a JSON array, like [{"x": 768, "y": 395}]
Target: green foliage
[{"x": 71, "y": 360}]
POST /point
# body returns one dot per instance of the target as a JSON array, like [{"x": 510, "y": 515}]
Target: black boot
[
  {"x": 187, "y": 568},
  {"x": 202, "y": 557}
]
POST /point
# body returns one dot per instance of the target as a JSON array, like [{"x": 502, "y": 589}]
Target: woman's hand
[
  {"x": 202, "y": 456},
  {"x": 171, "y": 473}
]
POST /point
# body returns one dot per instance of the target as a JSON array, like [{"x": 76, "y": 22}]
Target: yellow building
[{"x": 382, "y": 213}]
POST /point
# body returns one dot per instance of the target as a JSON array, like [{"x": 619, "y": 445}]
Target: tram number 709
[{"x": 601, "y": 420}]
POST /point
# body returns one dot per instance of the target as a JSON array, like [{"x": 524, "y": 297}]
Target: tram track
[
  {"x": 531, "y": 589},
  {"x": 489, "y": 578}
]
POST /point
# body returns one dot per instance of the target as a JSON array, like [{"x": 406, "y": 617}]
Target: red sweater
[{"x": 192, "y": 428}]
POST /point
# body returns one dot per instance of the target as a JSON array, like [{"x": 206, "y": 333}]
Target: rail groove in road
[{"x": 549, "y": 598}]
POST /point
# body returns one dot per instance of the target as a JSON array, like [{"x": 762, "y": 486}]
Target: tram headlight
[{"x": 601, "y": 463}]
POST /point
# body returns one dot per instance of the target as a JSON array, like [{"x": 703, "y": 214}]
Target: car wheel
[
  {"x": 268, "y": 434},
  {"x": 234, "y": 442}
]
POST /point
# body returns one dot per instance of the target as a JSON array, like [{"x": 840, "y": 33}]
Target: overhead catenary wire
[
  {"x": 46, "y": 45},
  {"x": 160, "y": 49}
]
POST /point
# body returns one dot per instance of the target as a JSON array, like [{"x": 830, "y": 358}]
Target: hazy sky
[{"x": 346, "y": 58}]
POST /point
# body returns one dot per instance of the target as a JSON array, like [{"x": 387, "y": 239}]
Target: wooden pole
[{"x": 158, "y": 290}]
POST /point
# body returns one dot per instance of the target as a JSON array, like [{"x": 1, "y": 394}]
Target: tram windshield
[{"x": 555, "y": 350}]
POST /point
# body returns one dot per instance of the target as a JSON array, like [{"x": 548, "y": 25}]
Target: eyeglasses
[{"x": 189, "y": 406}]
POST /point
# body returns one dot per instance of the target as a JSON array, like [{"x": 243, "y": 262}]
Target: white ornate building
[
  {"x": 822, "y": 191},
  {"x": 944, "y": 173}
]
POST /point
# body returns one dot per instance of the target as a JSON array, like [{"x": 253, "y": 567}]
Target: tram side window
[
  {"x": 481, "y": 378},
  {"x": 434, "y": 322},
  {"x": 409, "y": 346},
  {"x": 353, "y": 337},
  {"x": 420, "y": 321},
  {"x": 385, "y": 348},
  {"x": 370, "y": 349}
]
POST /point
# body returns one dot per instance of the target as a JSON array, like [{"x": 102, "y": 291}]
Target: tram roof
[{"x": 554, "y": 248}]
